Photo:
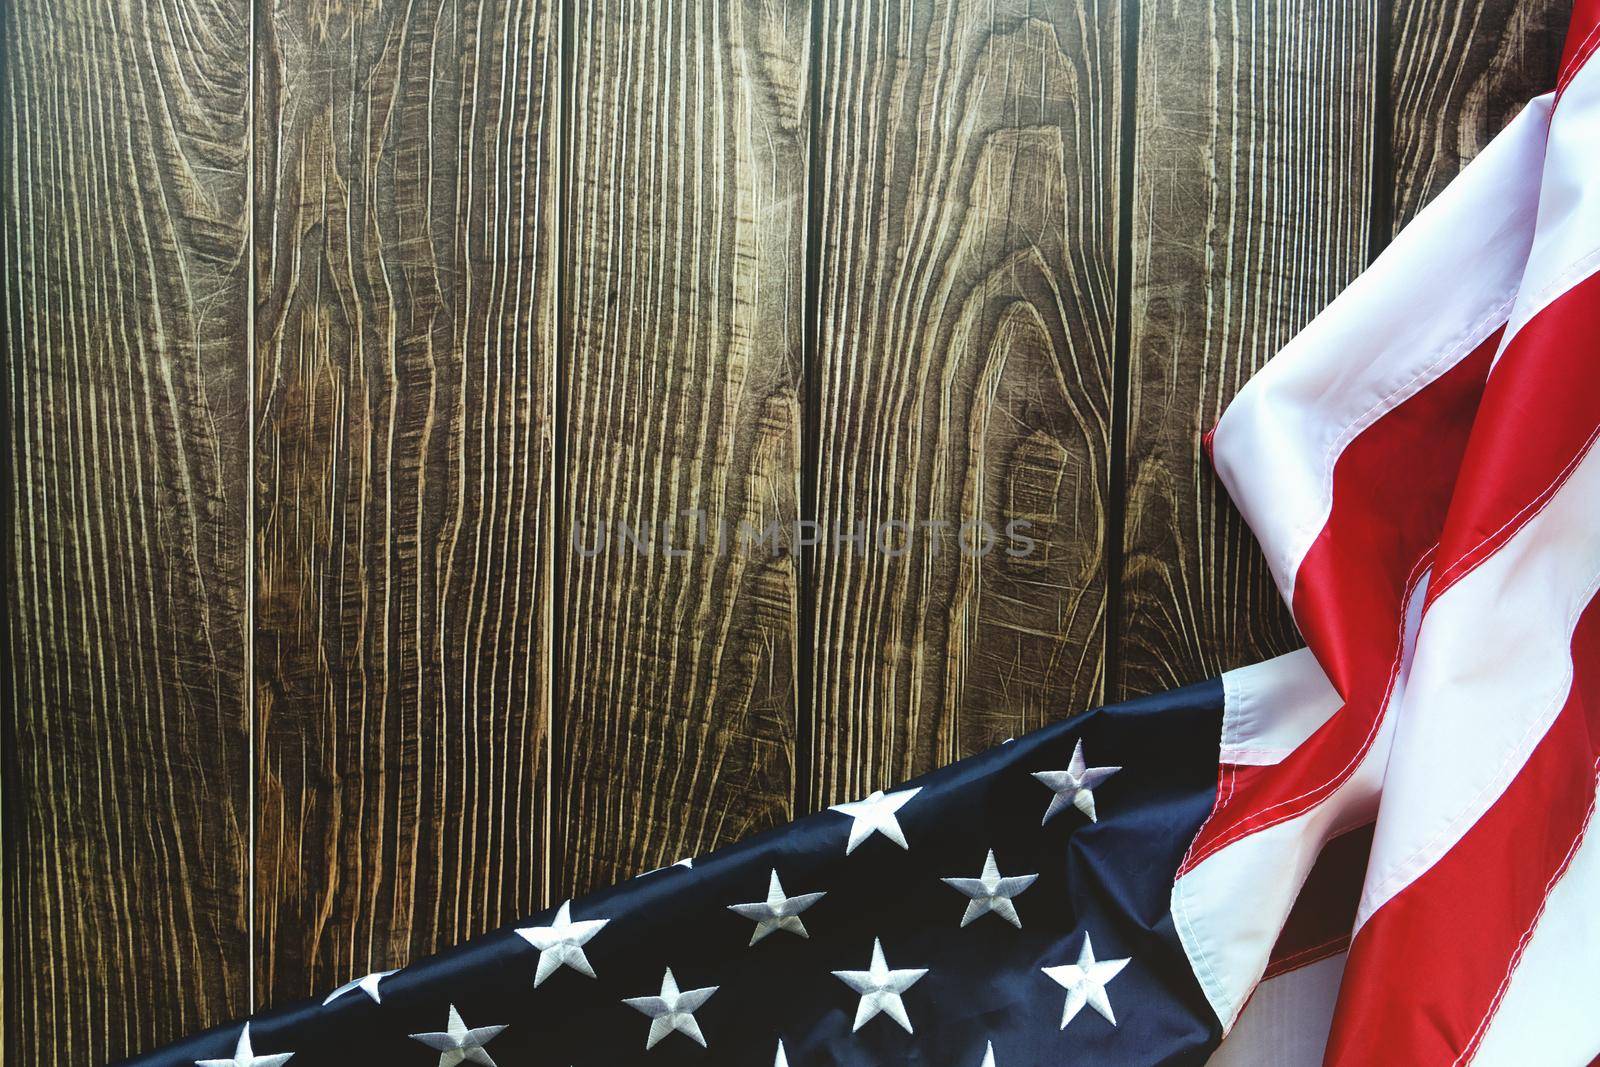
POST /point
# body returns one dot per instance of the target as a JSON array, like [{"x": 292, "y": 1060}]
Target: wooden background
[{"x": 328, "y": 322}]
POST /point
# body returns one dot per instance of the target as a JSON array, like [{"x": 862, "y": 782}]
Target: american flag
[
  {"x": 1009, "y": 909},
  {"x": 1419, "y": 467},
  {"x": 1371, "y": 851}
]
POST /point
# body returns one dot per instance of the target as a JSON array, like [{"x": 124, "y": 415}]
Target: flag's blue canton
[{"x": 890, "y": 938}]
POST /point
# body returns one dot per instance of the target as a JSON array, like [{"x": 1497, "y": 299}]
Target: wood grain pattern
[
  {"x": 967, "y": 220},
  {"x": 685, "y": 263},
  {"x": 406, "y": 185},
  {"x": 1460, "y": 70},
  {"x": 1253, "y": 170},
  {"x": 125, "y": 753}
]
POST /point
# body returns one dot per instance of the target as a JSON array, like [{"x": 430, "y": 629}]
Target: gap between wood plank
[
  {"x": 1121, "y": 360},
  {"x": 803, "y": 761},
  {"x": 1380, "y": 211},
  {"x": 250, "y": 509},
  {"x": 556, "y": 682}
]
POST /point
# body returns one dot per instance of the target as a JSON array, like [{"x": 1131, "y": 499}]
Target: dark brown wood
[
  {"x": 966, "y": 212},
  {"x": 1253, "y": 170},
  {"x": 125, "y": 751},
  {"x": 1460, "y": 70},
  {"x": 685, "y": 265},
  {"x": 406, "y": 192}
]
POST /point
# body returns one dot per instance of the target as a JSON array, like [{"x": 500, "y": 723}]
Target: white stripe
[
  {"x": 1229, "y": 909},
  {"x": 1229, "y": 945},
  {"x": 1271, "y": 707},
  {"x": 1286, "y": 1023},
  {"x": 1274, "y": 704},
  {"x": 1549, "y": 1014},
  {"x": 1492, "y": 670},
  {"x": 1408, "y": 319},
  {"x": 1566, "y": 247}
]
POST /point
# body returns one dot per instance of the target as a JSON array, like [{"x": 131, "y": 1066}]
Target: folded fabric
[{"x": 1419, "y": 465}]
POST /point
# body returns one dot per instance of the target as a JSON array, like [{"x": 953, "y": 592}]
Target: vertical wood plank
[
  {"x": 1460, "y": 71},
  {"x": 125, "y": 753},
  {"x": 967, "y": 210},
  {"x": 1253, "y": 170},
  {"x": 405, "y": 192},
  {"x": 685, "y": 265}
]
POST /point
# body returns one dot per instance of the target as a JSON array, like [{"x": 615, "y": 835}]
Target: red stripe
[
  {"x": 1540, "y": 413},
  {"x": 1391, "y": 488},
  {"x": 1470, "y": 913},
  {"x": 1583, "y": 37},
  {"x": 1427, "y": 969}
]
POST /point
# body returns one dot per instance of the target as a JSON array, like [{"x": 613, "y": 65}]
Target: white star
[
  {"x": 777, "y": 912},
  {"x": 1075, "y": 785},
  {"x": 782, "y": 1059},
  {"x": 876, "y": 815},
  {"x": 672, "y": 1010},
  {"x": 245, "y": 1056},
  {"x": 880, "y": 989},
  {"x": 988, "y": 1056},
  {"x": 368, "y": 984},
  {"x": 990, "y": 892},
  {"x": 457, "y": 1044},
  {"x": 1085, "y": 983},
  {"x": 562, "y": 943}
]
